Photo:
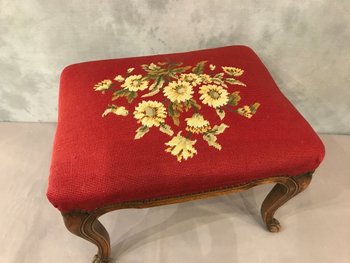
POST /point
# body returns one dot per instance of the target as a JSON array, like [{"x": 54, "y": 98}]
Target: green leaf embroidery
[
  {"x": 170, "y": 109},
  {"x": 195, "y": 105},
  {"x": 254, "y": 107},
  {"x": 234, "y": 98},
  {"x": 198, "y": 69},
  {"x": 155, "y": 88},
  {"x": 181, "y": 69},
  {"x": 176, "y": 120},
  {"x": 173, "y": 112},
  {"x": 141, "y": 131},
  {"x": 219, "y": 81},
  {"x": 131, "y": 96},
  {"x": 220, "y": 113},
  {"x": 219, "y": 76},
  {"x": 166, "y": 129},
  {"x": 218, "y": 129},
  {"x": 235, "y": 82},
  {"x": 211, "y": 140},
  {"x": 150, "y": 94},
  {"x": 120, "y": 93}
]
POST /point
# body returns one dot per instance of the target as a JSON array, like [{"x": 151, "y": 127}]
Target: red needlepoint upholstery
[{"x": 161, "y": 126}]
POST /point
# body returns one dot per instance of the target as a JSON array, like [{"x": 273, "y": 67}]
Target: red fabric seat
[{"x": 97, "y": 161}]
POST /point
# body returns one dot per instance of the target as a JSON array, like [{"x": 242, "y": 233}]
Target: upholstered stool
[{"x": 156, "y": 130}]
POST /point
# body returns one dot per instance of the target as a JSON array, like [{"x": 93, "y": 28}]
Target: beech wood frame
[{"x": 85, "y": 224}]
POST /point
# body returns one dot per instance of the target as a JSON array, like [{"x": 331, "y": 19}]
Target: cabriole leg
[
  {"x": 279, "y": 195},
  {"x": 88, "y": 227}
]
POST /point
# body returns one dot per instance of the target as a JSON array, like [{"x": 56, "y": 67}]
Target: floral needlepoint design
[
  {"x": 210, "y": 135},
  {"x": 103, "y": 85},
  {"x": 233, "y": 71},
  {"x": 181, "y": 147},
  {"x": 179, "y": 91},
  {"x": 191, "y": 78},
  {"x": 183, "y": 89},
  {"x": 205, "y": 79},
  {"x": 213, "y": 95},
  {"x": 116, "y": 110},
  {"x": 135, "y": 83},
  {"x": 119, "y": 78},
  {"x": 197, "y": 124},
  {"x": 150, "y": 113},
  {"x": 248, "y": 111}
]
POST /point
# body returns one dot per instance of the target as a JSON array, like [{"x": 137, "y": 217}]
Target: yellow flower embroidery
[
  {"x": 178, "y": 87},
  {"x": 122, "y": 111},
  {"x": 135, "y": 83},
  {"x": 181, "y": 147},
  {"x": 232, "y": 71},
  {"x": 205, "y": 78},
  {"x": 194, "y": 79},
  {"x": 213, "y": 95},
  {"x": 245, "y": 111},
  {"x": 119, "y": 78},
  {"x": 248, "y": 111},
  {"x": 150, "y": 113},
  {"x": 153, "y": 66},
  {"x": 178, "y": 91},
  {"x": 197, "y": 124},
  {"x": 103, "y": 85}
]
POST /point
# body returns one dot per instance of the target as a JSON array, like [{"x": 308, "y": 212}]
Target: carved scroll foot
[
  {"x": 284, "y": 190},
  {"x": 274, "y": 226},
  {"x": 98, "y": 259},
  {"x": 88, "y": 227}
]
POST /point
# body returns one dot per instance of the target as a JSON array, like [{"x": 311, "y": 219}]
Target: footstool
[{"x": 156, "y": 130}]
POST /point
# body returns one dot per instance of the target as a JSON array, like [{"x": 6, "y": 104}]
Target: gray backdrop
[{"x": 305, "y": 44}]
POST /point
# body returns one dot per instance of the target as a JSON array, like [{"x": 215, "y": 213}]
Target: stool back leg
[
  {"x": 284, "y": 190},
  {"x": 88, "y": 227}
]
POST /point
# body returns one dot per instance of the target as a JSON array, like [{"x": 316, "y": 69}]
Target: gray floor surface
[{"x": 223, "y": 229}]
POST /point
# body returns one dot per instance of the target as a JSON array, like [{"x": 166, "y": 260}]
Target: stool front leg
[
  {"x": 284, "y": 190},
  {"x": 88, "y": 227}
]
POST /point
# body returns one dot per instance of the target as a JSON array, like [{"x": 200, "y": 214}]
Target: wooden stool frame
[{"x": 85, "y": 224}]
